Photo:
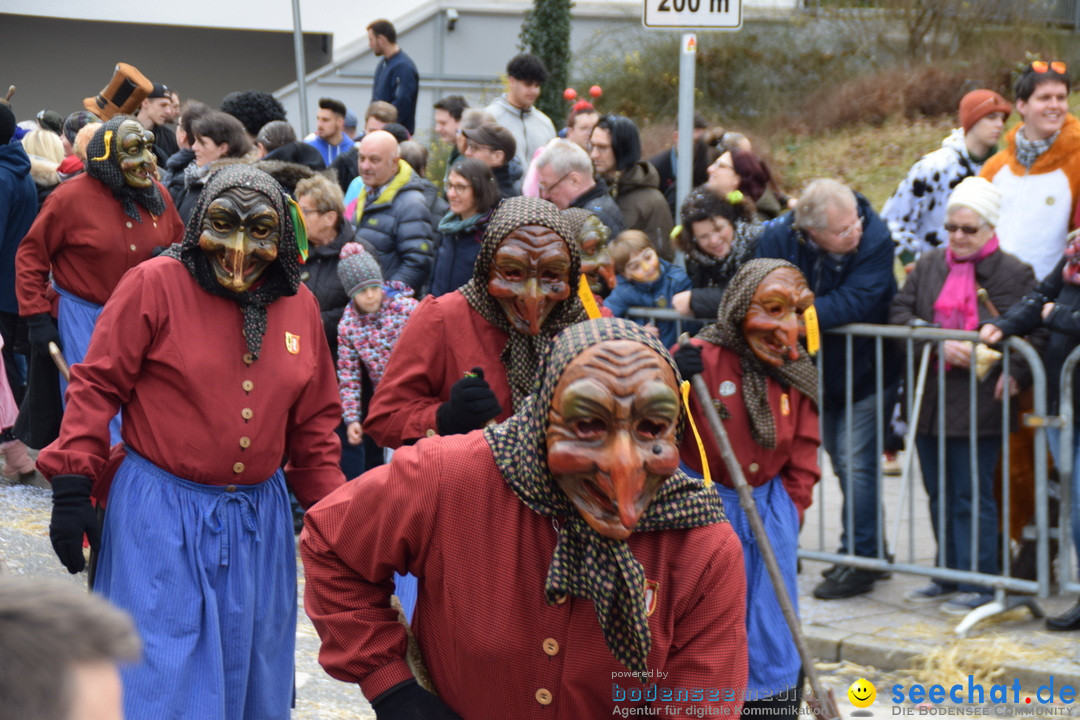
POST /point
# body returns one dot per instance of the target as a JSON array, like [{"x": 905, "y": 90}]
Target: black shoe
[
  {"x": 847, "y": 582},
  {"x": 1068, "y": 621},
  {"x": 832, "y": 571}
]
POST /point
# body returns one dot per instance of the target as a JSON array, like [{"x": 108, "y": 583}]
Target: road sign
[{"x": 693, "y": 14}]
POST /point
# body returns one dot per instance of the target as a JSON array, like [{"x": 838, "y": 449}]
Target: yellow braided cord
[
  {"x": 108, "y": 146},
  {"x": 697, "y": 436}
]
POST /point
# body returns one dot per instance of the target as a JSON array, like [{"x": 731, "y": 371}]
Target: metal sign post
[
  {"x": 689, "y": 14},
  {"x": 301, "y": 82},
  {"x": 685, "y": 150}
]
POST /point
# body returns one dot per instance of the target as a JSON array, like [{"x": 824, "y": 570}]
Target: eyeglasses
[
  {"x": 1041, "y": 66},
  {"x": 719, "y": 165},
  {"x": 850, "y": 229},
  {"x": 545, "y": 190},
  {"x": 458, "y": 187},
  {"x": 474, "y": 146},
  {"x": 966, "y": 229}
]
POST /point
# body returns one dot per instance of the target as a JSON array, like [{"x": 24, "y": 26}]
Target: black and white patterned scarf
[
  {"x": 1028, "y": 151},
  {"x": 801, "y": 374},
  {"x": 280, "y": 279},
  {"x": 586, "y": 564},
  {"x": 523, "y": 354}
]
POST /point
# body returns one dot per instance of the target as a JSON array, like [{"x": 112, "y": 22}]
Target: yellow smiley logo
[{"x": 862, "y": 693}]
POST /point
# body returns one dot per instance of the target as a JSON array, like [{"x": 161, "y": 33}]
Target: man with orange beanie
[{"x": 916, "y": 211}]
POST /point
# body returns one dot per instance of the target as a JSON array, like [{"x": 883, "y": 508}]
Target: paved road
[{"x": 25, "y": 550}]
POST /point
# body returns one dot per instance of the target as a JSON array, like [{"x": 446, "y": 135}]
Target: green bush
[{"x": 546, "y": 34}]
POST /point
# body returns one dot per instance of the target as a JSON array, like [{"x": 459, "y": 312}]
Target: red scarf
[{"x": 956, "y": 308}]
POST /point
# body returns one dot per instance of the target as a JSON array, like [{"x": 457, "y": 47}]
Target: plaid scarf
[
  {"x": 727, "y": 332},
  {"x": 102, "y": 164},
  {"x": 586, "y": 564},
  {"x": 1028, "y": 151},
  {"x": 281, "y": 278},
  {"x": 523, "y": 354}
]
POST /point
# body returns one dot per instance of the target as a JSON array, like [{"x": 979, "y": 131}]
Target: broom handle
[{"x": 746, "y": 500}]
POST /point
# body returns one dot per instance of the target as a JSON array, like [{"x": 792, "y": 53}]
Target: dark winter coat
[
  {"x": 18, "y": 207},
  {"x": 854, "y": 288},
  {"x": 1006, "y": 280},
  {"x": 172, "y": 175},
  {"x": 1063, "y": 324},
  {"x": 637, "y": 193},
  {"x": 400, "y": 232},
  {"x": 597, "y": 200},
  {"x": 508, "y": 179},
  {"x": 456, "y": 256},
  {"x": 320, "y": 274}
]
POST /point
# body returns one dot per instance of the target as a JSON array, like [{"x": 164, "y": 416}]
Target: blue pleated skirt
[
  {"x": 209, "y": 575},
  {"x": 75, "y": 320},
  {"x": 773, "y": 658}
]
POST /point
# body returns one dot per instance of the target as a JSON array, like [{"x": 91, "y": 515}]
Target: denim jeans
[
  {"x": 959, "y": 475},
  {"x": 1053, "y": 435},
  {"x": 861, "y": 470}
]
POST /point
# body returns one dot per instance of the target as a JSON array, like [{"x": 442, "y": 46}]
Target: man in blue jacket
[
  {"x": 846, "y": 252},
  {"x": 396, "y": 79}
]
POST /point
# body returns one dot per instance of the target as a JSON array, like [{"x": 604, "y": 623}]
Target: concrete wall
[
  {"x": 55, "y": 63},
  {"x": 469, "y": 60}
]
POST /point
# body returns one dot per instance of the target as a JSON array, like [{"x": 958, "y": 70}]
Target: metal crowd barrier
[
  {"x": 903, "y": 518},
  {"x": 1066, "y": 567},
  {"x": 904, "y": 539},
  {"x": 653, "y": 314}
]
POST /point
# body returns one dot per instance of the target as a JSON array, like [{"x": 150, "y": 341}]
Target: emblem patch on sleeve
[
  {"x": 652, "y": 588},
  {"x": 292, "y": 343}
]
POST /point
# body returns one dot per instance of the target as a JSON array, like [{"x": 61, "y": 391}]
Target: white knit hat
[{"x": 979, "y": 195}]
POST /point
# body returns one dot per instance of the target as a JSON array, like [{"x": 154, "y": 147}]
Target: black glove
[
  {"x": 472, "y": 403},
  {"x": 41, "y": 330},
  {"x": 73, "y": 515},
  {"x": 688, "y": 360},
  {"x": 409, "y": 701}
]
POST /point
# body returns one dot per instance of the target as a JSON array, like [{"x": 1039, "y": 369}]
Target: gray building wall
[
  {"x": 55, "y": 63},
  {"x": 469, "y": 60}
]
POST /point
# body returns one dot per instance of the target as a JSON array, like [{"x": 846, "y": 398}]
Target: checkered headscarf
[
  {"x": 523, "y": 354},
  {"x": 102, "y": 164},
  {"x": 586, "y": 564},
  {"x": 280, "y": 279},
  {"x": 728, "y": 332}
]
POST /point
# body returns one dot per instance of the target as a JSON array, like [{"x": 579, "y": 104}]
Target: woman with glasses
[
  {"x": 958, "y": 287},
  {"x": 718, "y": 234},
  {"x": 472, "y": 193}
]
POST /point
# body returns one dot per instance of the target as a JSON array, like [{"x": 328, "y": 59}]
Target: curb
[{"x": 831, "y": 645}]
